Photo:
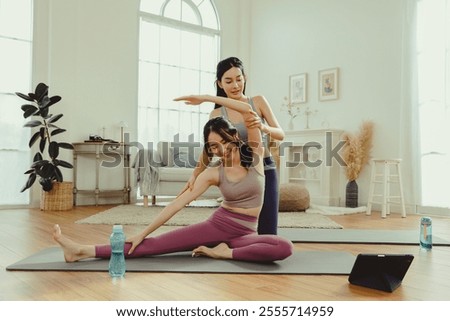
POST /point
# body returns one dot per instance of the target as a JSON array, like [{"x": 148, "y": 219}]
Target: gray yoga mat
[
  {"x": 405, "y": 237},
  {"x": 301, "y": 262}
]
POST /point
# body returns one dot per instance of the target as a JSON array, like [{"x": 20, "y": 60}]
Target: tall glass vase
[{"x": 351, "y": 194}]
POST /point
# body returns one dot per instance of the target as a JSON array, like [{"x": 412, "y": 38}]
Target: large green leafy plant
[{"x": 47, "y": 169}]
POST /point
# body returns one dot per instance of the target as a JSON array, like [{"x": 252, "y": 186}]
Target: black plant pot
[{"x": 351, "y": 194}]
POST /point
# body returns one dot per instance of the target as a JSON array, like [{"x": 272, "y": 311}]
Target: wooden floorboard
[{"x": 26, "y": 231}]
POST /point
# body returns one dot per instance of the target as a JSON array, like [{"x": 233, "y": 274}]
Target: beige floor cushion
[{"x": 293, "y": 197}]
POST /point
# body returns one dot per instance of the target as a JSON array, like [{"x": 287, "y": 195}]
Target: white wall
[
  {"x": 235, "y": 29},
  {"x": 87, "y": 52}
]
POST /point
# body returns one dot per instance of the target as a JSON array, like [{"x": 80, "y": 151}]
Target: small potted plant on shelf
[{"x": 46, "y": 165}]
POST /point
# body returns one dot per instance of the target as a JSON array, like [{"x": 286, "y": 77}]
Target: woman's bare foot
[
  {"x": 72, "y": 251},
  {"x": 221, "y": 251}
]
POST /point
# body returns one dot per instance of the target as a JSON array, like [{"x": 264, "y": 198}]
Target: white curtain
[
  {"x": 432, "y": 66},
  {"x": 16, "y": 31}
]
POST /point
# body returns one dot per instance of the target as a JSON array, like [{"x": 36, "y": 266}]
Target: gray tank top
[{"x": 246, "y": 193}]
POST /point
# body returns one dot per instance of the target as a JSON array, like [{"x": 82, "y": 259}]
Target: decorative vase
[{"x": 351, "y": 194}]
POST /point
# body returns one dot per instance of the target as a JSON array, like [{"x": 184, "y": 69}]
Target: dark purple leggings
[
  {"x": 236, "y": 230},
  {"x": 268, "y": 217}
]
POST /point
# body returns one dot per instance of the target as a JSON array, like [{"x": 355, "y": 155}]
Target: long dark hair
[
  {"x": 222, "y": 67},
  {"x": 229, "y": 134}
]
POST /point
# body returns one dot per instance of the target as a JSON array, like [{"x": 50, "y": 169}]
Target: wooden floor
[{"x": 24, "y": 232}]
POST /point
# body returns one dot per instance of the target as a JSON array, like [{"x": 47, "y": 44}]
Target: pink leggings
[{"x": 236, "y": 230}]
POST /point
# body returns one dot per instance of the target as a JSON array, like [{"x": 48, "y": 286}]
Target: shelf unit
[{"x": 306, "y": 158}]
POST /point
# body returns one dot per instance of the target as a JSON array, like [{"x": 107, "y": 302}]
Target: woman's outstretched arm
[
  {"x": 254, "y": 134},
  {"x": 201, "y": 165},
  {"x": 205, "y": 179},
  {"x": 234, "y": 104}
]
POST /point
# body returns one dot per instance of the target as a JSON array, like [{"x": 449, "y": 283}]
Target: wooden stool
[{"x": 391, "y": 174}]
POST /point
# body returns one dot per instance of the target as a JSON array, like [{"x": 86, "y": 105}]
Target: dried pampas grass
[{"x": 357, "y": 150}]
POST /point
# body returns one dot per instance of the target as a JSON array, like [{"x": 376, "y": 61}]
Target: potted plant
[
  {"x": 356, "y": 155},
  {"x": 45, "y": 165}
]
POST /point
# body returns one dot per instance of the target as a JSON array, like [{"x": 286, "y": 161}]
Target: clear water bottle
[
  {"x": 426, "y": 241},
  {"x": 117, "y": 265}
]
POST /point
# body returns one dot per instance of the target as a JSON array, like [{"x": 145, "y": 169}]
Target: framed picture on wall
[
  {"x": 297, "y": 89},
  {"x": 329, "y": 84}
]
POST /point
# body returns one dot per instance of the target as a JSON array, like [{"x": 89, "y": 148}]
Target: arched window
[
  {"x": 179, "y": 49},
  {"x": 16, "y": 25}
]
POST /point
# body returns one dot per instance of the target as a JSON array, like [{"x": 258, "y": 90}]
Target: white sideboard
[{"x": 311, "y": 157}]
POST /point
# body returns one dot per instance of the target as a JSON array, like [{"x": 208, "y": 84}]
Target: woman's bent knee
[{"x": 285, "y": 249}]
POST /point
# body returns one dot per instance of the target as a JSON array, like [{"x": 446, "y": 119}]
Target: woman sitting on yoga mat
[{"x": 230, "y": 232}]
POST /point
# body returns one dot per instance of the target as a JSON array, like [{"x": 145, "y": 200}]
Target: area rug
[
  {"x": 334, "y": 210},
  {"x": 358, "y": 236},
  {"x": 209, "y": 203},
  {"x": 139, "y": 215},
  {"x": 301, "y": 262}
]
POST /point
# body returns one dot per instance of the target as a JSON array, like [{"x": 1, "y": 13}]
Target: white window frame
[{"x": 152, "y": 116}]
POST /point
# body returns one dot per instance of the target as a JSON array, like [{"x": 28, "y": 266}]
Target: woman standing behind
[{"x": 231, "y": 83}]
